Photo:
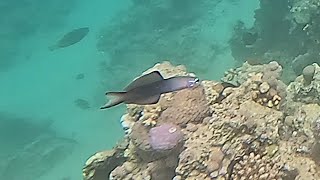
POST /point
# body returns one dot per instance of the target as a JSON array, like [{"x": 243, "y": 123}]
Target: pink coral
[{"x": 165, "y": 137}]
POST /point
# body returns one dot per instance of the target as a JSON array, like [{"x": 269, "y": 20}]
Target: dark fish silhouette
[
  {"x": 80, "y": 76},
  {"x": 70, "y": 38},
  {"x": 249, "y": 38},
  {"x": 147, "y": 89},
  {"x": 82, "y": 104}
]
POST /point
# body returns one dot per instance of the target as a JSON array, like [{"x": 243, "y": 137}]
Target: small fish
[
  {"x": 79, "y": 76},
  {"x": 70, "y": 38},
  {"x": 148, "y": 88},
  {"x": 82, "y": 104},
  {"x": 249, "y": 38}
]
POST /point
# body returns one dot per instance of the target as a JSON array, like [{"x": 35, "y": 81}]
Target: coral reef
[
  {"x": 288, "y": 31},
  {"x": 255, "y": 129},
  {"x": 306, "y": 87}
]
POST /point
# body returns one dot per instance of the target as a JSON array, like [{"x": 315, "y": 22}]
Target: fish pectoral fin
[
  {"x": 148, "y": 100},
  {"x": 144, "y": 80},
  {"x": 115, "y": 98}
]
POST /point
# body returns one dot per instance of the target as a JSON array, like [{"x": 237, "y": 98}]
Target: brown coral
[{"x": 186, "y": 106}]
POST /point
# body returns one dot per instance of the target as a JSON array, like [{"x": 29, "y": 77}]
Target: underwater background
[{"x": 50, "y": 121}]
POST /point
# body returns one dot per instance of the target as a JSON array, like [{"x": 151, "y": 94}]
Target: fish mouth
[{"x": 194, "y": 83}]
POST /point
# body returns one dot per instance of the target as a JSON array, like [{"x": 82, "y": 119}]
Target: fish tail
[{"x": 115, "y": 98}]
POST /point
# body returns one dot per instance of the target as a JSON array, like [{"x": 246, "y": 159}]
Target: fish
[
  {"x": 70, "y": 38},
  {"x": 82, "y": 104},
  {"x": 249, "y": 38},
  {"x": 80, "y": 76},
  {"x": 148, "y": 88}
]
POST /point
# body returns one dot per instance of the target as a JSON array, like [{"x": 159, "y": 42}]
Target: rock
[
  {"x": 160, "y": 170},
  {"x": 302, "y": 89},
  {"x": 215, "y": 158},
  {"x": 140, "y": 139},
  {"x": 308, "y": 73},
  {"x": 264, "y": 87},
  {"x": 191, "y": 127},
  {"x": 100, "y": 165}
]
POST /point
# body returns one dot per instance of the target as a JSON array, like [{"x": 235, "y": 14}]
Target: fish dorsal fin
[{"x": 144, "y": 80}]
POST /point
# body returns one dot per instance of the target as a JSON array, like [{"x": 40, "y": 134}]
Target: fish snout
[{"x": 193, "y": 82}]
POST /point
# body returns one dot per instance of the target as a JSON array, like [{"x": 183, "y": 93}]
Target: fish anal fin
[
  {"x": 147, "y": 100},
  {"x": 145, "y": 79},
  {"x": 115, "y": 98}
]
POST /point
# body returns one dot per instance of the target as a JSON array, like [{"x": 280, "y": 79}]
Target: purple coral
[{"x": 165, "y": 137}]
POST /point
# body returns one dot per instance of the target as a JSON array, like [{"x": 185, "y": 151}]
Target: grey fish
[
  {"x": 249, "y": 38},
  {"x": 148, "y": 88},
  {"x": 70, "y": 38},
  {"x": 82, "y": 104},
  {"x": 79, "y": 76}
]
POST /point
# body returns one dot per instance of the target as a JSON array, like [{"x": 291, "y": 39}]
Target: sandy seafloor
[{"x": 45, "y": 86}]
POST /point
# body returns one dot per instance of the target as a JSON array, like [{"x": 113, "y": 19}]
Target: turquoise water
[{"x": 39, "y": 87}]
